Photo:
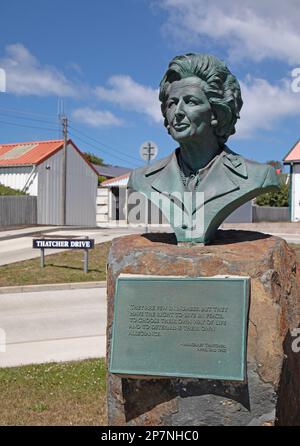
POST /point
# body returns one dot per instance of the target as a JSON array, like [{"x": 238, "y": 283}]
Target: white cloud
[
  {"x": 265, "y": 105},
  {"x": 130, "y": 95},
  {"x": 26, "y": 76},
  {"x": 96, "y": 118},
  {"x": 255, "y": 29}
]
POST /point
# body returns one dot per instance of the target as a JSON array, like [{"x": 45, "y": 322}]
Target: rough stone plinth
[{"x": 271, "y": 393}]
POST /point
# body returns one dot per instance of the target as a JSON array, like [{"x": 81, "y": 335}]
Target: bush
[
  {"x": 5, "y": 190},
  {"x": 101, "y": 178},
  {"x": 279, "y": 198},
  {"x": 93, "y": 158}
]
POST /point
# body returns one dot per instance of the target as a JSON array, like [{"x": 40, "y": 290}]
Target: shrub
[
  {"x": 5, "y": 190},
  {"x": 279, "y": 198}
]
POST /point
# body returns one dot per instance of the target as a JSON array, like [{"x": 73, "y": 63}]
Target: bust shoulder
[
  {"x": 259, "y": 174},
  {"x": 265, "y": 173},
  {"x": 138, "y": 176}
]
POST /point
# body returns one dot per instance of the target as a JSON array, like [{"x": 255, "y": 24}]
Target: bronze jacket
[{"x": 195, "y": 216}]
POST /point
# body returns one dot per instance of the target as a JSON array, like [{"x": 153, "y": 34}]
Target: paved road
[
  {"x": 19, "y": 249},
  {"x": 53, "y": 326}
]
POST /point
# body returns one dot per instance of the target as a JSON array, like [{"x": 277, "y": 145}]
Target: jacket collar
[
  {"x": 235, "y": 162},
  {"x": 219, "y": 181}
]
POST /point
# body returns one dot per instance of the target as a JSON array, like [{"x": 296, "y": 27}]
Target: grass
[
  {"x": 67, "y": 393},
  {"x": 66, "y": 266}
]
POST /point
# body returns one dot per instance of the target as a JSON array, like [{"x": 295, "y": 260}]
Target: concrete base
[{"x": 271, "y": 393}]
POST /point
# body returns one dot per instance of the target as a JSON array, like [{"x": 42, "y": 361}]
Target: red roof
[
  {"x": 28, "y": 153},
  {"x": 294, "y": 154},
  {"x": 33, "y": 153}
]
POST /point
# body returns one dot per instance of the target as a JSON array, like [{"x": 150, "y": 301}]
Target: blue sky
[{"x": 105, "y": 59}]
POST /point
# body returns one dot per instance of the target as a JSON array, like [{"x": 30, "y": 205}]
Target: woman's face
[{"x": 188, "y": 111}]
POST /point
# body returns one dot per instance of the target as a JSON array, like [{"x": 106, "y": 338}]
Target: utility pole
[
  {"x": 148, "y": 152},
  {"x": 64, "y": 122}
]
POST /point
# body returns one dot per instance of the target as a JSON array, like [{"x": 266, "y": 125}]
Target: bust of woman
[{"x": 202, "y": 181}]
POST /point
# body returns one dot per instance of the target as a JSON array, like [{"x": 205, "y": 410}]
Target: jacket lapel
[
  {"x": 168, "y": 183},
  {"x": 219, "y": 181},
  {"x": 168, "y": 179},
  {"x": 235, "y": 163}
]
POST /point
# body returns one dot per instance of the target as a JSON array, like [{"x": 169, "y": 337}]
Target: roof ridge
[
  {"x": 31, "y": 142},
  {"x": 290, "y": 152},
  {"x": 120, "y": 177}
]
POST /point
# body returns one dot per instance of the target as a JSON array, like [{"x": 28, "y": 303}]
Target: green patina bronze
[
  {"x": 202, "y": 181},
  {"x": 158, "y": 333}
]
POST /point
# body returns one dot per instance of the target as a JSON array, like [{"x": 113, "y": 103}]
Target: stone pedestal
[{"x": 271, "y": 393}]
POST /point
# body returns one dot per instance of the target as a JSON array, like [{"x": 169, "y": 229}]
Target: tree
[
  {"x": 93, "y": 159},
  {"x": 276, "y": 164},
  {"x": 101, "y": 178}
]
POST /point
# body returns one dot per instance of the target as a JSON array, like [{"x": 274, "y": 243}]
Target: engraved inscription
[
  {"x": 180, "y": 327},
  {"x": 207, "y": 348},
  {"x": 155, "y": 320}
]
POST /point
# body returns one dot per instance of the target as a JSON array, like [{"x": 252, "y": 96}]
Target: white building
[
  {"x": 293, "y": 160},
  {"x": 111, "y": 210},
  {"x": 37, "y": 169}
]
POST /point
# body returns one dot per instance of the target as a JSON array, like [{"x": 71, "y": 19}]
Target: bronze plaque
[{"x": 180, "y": 326}]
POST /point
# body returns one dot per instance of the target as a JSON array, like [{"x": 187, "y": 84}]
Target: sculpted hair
[{"x": 220, "y": 86}]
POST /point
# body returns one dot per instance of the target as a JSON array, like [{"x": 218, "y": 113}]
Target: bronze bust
[{"x": 202, "y": 181}]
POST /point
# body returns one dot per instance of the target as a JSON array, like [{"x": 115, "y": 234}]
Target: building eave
[{"x": 289, "y": 152}]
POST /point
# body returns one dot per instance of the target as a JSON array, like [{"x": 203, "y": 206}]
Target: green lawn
[
  {"x": 67, "y": 393},
  {"x": 66, "y": 266}
]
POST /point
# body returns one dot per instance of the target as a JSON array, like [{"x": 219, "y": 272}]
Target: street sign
[
  {"x": 65, "y": 243},
  {"x": 148, "y": 151}
]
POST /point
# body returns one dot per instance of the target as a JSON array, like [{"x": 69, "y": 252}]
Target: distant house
[
  {"x": 109, "y": 172},
  {"x": 112, "y": 198},
  {"x": 36, "y": 168},
  {"x": 292, "y": 159}
]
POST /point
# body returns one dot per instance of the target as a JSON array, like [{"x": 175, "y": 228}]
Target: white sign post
[{"x": 148, "y": 151}]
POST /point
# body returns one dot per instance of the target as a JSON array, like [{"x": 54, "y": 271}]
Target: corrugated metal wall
[
  {"x": 82, "y": 184},
  {"x": 49, "y": 191},
  {"x": 268, "y": 213},
  {"x": 17, "y": 177},
  {"x": 243, "y": 214},
  {"x": 18, "y": 210},
  {"x": 46, "y": 183}
]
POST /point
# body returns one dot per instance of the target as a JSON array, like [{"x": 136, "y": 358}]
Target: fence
[
  {"x": 269, "y": 213},
  {"x": 18, "y": 210}
]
